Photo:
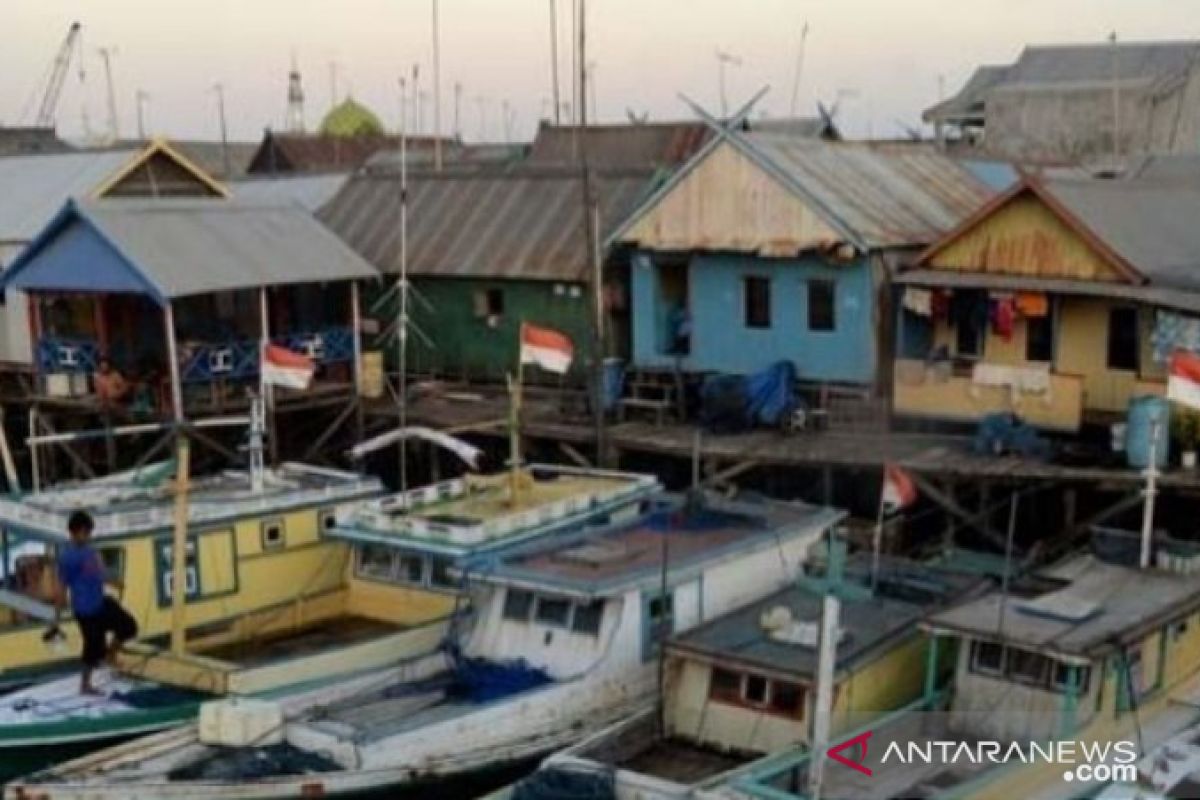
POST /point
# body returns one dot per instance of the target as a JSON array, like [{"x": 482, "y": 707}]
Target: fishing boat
[
  {"x": 743, "y": 686},
  {"x": 564, "y": 639},
  {"x": 1074, "y": 675}
]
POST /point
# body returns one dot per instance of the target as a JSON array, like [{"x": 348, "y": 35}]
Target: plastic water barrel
[
  {"x": 372, "y": 374},
  {"x": 1143, "y": 411},
  {"x": 614, "y": 382}
]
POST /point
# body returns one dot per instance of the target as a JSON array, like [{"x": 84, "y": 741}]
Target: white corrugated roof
[{"x": 33, "y": 188}]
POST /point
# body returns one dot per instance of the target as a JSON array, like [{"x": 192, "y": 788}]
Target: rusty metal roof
[
  {"x": 880, "y": 196},
  {"x": 636, "y": 146},
  {"x": 519, "y": 222}
]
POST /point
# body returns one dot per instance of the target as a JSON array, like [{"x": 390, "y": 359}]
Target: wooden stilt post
[{"x": 173, "y": 363}]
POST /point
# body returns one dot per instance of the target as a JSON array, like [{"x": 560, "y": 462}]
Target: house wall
[
  {"x": 15, "y": 343},
  {"x": 467, "y": 343},
  {"x": 721, "y": 340}
]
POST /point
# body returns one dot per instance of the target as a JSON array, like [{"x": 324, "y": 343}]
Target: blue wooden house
[{"x": 770, "y": 246}]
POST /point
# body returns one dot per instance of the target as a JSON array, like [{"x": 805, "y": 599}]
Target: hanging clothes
[
  {"x": 918, "y": 301},
  {"x": 1173, "y": 332},
  {"x": 1003, "y": 312},
  {"x": 1032, "y": 304},
  {"x": 939, "y": 305}
]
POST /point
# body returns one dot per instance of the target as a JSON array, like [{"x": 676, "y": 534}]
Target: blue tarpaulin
[{"x": 731, "y": 403}]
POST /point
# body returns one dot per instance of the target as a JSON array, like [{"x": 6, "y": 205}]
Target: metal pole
[
  {"x": 554, "y": 57},
  {"x": 437, "y": 95},
  {"x": 1150, "y": 493},
  {"x": 266, "y": 390},
  {"x": 826, "y": 653},
  {"x": 173, "y": 365},
  {"x": 356, "y": 340},
  {"x": 179, "y": 547},
  {"x": 220, "y": 90},
  {"x": 877, "y": 534},
  {"x": 1008, "y": 548},
  {"x": 402, "y": 299},
  {"x": 591, "y": 239}
]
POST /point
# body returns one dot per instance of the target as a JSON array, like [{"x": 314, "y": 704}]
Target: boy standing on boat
[{"x": 81, "y": 571}]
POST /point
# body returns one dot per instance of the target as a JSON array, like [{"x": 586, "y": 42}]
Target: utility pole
[
  {"x": 481, "y": 105},
  {"x": 725, "y": 59},
  {"x": 333, "y": 85},
  {"x": 799, "y": 70},
  {"x": 220, "y": 92},
  {"x": 141, "y": 98},
  {"x": 591, "y": 250},
  {"x": 106, "y": 55},
  {"x": 575, "y": 58},
  {"x": 554, "y": 57},
  {"x": 416, "y": 100},
  {"x": 401, "y": 124},
  {"x": 457, "y": 111},
  {"x": 591, "y": 69},
  {"x": 437, "y": 95}
]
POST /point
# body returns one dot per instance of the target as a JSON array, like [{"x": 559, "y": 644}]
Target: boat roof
[
  {"x": 140, "y": 502},
  {"x": 1092, "y": 606},
  {"x": 472, "y": 515},
  {"x": 905, "y": 592},
  {"x": 603, "y": 561}
]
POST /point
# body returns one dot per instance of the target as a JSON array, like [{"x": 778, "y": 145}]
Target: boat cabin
[{"x": 250, "y": 551}]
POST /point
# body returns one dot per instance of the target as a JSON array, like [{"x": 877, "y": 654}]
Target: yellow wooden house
[{"x": 1059, "y": 301}]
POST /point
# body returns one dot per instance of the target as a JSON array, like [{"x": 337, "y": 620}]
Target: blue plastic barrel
[
  {"x": 1143, "y": 411},
  {"x": 614, "y": 382}
]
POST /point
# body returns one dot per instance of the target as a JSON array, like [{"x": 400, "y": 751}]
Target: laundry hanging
[
  {"x": 1032, "y": 304},
  {"x": 918, "y": 301}
]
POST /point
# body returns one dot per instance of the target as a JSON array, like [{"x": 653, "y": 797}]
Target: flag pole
[
  {"x": 877, "y": 534},
  {"x": 514, "y": 426}
]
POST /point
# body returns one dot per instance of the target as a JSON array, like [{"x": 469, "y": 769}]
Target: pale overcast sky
[{"x": 885, "y": 56}]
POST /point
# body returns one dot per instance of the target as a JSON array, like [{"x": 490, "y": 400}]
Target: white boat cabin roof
[
  {"x": 473, "y": 515},
  {"x": 142, "y": 501}
]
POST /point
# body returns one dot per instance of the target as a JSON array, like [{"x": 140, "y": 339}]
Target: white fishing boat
[{"x": 564, "y": 640}]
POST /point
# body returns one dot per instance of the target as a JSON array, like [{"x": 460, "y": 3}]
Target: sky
[{"x": 880, "y": 61}]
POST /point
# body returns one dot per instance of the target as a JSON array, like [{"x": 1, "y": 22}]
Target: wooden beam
[
  {"x": 951, "y": 505},
  {"x": 729, "y": 473},
  {"x": 329, "y": 431},
  {"x": 76, "y": 459},
  {"x": 574, "y": 455},
  {"x": 210, "y": 442}
]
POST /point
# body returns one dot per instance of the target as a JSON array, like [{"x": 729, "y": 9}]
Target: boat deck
[
  {"x": 328, "y": 635},
  {"x": 679, "y": 761}
]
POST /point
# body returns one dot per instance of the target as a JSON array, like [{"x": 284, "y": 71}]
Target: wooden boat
[
  {"x": 564, "y": 640},
  {"x": 396, "y": 604}
]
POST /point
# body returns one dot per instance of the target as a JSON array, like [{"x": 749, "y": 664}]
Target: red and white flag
[
  {"x": 547, "y": 348},
  {"x": 899, "y": 490},
  {"x": 1183, "y": 381},
  {"x": 283, "y": 367}
]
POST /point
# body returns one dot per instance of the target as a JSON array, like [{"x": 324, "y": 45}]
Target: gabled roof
[
  {"x": 875, "y": 197},
  {"x": 520, "y": 222},
  {"x": 33, "y": 188},
  {"x": 1144, "y": 228},
  {"x": 167, "y": 248}
]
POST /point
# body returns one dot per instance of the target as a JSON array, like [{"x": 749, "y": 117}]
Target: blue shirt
[{"x": 81, "y": 571}]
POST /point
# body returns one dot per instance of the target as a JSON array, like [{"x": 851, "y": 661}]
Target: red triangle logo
[{"x": 859, "y": 741}]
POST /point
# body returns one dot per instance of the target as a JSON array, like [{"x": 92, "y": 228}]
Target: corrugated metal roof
[
  {"x": 885, "y": 196},
  {"x": 636, "y": 146},
  {"x": 520, "y": 222},
  {"x": 281, "y": 152},
  {"x": 33, "y": 188},
  {"x": 188, "y": 247},
  {"x": 1151, "y": 223},
  {"x": 310, "y": 192}
]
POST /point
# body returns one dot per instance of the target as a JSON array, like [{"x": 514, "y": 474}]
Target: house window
[
  {"x": 1039, "y": 338},
  {"x": 553, "y": 611},
  {"x": 587, "y": 618},
  {"x": 517, "y": 604},
  {"x": 272, "y": 534},
  {"x": 1123, "y": 338},
  {"x": 495, "y": 302},
  {"x": 822, "y": 308},
  {"x": 757, "y": 292}
]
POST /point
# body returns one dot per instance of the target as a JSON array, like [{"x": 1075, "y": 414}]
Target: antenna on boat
[{"x": 514, "y": 424}]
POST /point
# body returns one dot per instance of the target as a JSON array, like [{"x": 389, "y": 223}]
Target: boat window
[
  {"x": 587, "y": 617},
  {"x": 1027, "y": 667},
  {"x": 517, "y": 604},
  {"x": 787, "y": 698},
  {"x": 552, "y": 611},
  {"x": 725, "y": 685},
  {"x": 439, "y": 574},
  {"x": 754, "y": 690},
  {"x": 987, "y": 658},
  {"x": 410, "y": 569},
  {"x": 1062, "y": 677},
  {"x": 375, "y": 561},
  {"x": 327, "y": 519},
  {"x": 272, "y": 534}
]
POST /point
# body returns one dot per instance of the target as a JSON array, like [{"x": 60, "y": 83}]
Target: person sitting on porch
[{"x": 111, "y": 386}]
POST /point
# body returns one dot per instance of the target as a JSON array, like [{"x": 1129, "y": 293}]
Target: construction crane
[{"x": 58, "y": 74}]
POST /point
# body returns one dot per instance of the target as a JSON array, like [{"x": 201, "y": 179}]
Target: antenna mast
[{"x": 799, "y": 69}]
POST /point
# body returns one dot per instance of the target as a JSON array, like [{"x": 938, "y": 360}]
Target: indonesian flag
[
  {"x": 283, "y": 367},
  {"x": 1183, "y": 382},
  {"x": 898, "y": 488},
  {"x": 549, "y": 349}
]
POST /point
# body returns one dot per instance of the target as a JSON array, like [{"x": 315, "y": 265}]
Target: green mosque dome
[{"x": 351, "y": 118}]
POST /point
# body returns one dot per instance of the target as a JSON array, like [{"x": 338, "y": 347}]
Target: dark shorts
[{"x": 111, "y": 618}]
